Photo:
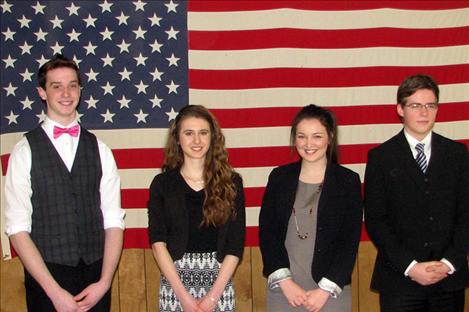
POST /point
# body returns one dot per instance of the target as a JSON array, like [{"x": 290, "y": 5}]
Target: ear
[
  {"x": 42, "y": 93},
  {"x": 400, "y": 110}
]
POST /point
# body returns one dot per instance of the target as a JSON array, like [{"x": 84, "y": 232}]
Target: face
[
  {"x": 311, "y": 140},
  {"x": 194, "y": 138},
  {"x": 419, "y": 122},
  {"x": 62, "y": 94}
]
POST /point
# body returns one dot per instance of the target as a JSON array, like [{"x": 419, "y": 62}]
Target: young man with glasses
[{"x": 417, "y": 209}]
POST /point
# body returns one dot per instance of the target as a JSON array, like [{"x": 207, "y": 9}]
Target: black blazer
[
  {"x": 415, "y": 216},
  {"x": 338, "y": 225},
  {"x": 168, "y": 219}
]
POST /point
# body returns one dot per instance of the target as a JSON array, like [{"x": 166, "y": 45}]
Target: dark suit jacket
[
  {"x": 415, "y": 216},
  {"x": 338, "y": 225},
  {"x": 168, "y": 219}
]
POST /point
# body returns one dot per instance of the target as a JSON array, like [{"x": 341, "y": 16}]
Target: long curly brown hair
[{"x": 220, "y": 190}]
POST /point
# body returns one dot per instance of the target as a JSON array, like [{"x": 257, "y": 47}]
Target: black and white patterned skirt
[{"x": 198, "y": 272}]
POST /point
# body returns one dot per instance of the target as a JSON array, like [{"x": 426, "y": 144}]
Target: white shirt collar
[
  {"x": 48, "y": 125},
  {"x": 427, "y": 141}
]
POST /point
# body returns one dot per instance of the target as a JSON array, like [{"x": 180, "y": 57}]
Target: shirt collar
[
  {"x": 48, "y": 125},
  {"x": 427, "y": 141}
]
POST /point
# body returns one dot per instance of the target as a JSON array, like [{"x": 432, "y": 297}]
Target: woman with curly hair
[{"x": 196, "y": 216}]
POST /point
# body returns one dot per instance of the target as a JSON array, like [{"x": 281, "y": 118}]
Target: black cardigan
[
  {"x": 338, "y": 226},
  {"x": 168, "y": 218}
]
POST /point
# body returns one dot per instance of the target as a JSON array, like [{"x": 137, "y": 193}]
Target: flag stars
[
  {"x": 141, "y": 88},
  {"x": 8, "y": 34},
  {"x": 41, "y": 61},
  {"x": 38, "y": 8},
  {"x": 141, "y": 116},
  {"x": 139, "y": 5},
  {"x": 105, "y": 6},
  {"x": 57, "y": 49},
  {"x": 108, "y": 88},
  {"x": 72, "y": 9},
  {"x": 108, "y": 116},
  {"x": 172, "y": 87},
  {"x": 155, "y": 20},
  {"x": 107, "y": 60},
  {"x": 124, "y": 46},
  {"x": 122, "y": 18},
  {"x": 74, "y": 35},
  {"x": 6, "y": 7},
  {"x": 155, "y": 101},
  {"x": 173, "y": 60},
  {"x": 124, "y": 102},
  {"x": 172, "y": 33},
  {"x": 27, "y": 103},
  {"x": 9, "y": 62},
  {"x": 12, "y": 118},
  {"x": 107, "y": 34},
  {"x": 171, "y": 6},
  {"x": 91, "y": 102},
  {"x": 125, "y": 74},
  {"x": 139, "y": 33},
  {"x": 140, "y": 59},
  {"x": 171, "y": 114},
  {"x": 41, "y": 117},
  {"x": 26, "y": 75},
  {"x": 40, "y": 35},
  {"x": 155, "y": 46},
  {"x": 90, "y": 21},
  {"x": 92, "y": 75},
  {"x": 24, "y": 22},
  {"x": 25, "y": 48},
  {"x": 156, "y": 74},
  {"x": 10, "y": 89},
  {"x": 90, "y": 48},
  {"x": 56, "y": 23},
  {"x": 76, "y": 60}
]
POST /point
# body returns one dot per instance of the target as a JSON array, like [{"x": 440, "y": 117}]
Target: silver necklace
[
  {"x": 298, "y": 233},
  {"x": 198, "y": 181}
]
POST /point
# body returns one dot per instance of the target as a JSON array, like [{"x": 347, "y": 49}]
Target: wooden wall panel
[
  {"x": 12, "y": 293},
  {"x": 132, "y": 292},
  {"x": 259, "y": 282},
  {"x": 355, "y": 287},
  {"x": 152, "y": 278},
  {"x": 242, "y": 283},
  {"x": 368, "y": 300},
  {"x": 115, "y": 302}
]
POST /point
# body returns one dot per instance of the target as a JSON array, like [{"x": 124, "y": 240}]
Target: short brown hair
[
  {"x": 57, "y": 61},
  {"x": 414, "y": 83}
]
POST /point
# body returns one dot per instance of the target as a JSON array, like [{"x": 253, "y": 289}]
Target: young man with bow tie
[
  {"x": 62, "y": 193},
  {"x": 417, "y": 209}
]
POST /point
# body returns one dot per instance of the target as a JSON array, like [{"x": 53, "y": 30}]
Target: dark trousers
[
  {"x": 436, "y": 301},
  {"x": 72, "y": 279}
]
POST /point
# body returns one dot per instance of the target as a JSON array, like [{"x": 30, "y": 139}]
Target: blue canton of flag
[{"x": 132, "y": 58}]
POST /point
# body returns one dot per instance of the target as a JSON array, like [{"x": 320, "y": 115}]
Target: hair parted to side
[
  {"x": 412, "y": 84},
  {"x": 58, "y": 61},
  {"x": 220, "y": 190},
  {"x": 327, "y": 119}
]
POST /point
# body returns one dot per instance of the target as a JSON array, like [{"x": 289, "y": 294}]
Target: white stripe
[
  {"x": 302, "y": 19},
  {"x": 298, "y": 97},
  {"x": 327, "y": 58}
]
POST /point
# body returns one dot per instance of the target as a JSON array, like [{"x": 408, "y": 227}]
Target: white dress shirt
[{"x": 18, "y": 192}]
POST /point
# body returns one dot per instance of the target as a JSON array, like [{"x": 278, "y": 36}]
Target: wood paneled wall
[{"x": 136, "y": 284}]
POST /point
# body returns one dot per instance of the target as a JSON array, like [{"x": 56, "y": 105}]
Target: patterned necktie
[
  {"x": 73, "y": 131},
  {"x": 421, "y": 159}
]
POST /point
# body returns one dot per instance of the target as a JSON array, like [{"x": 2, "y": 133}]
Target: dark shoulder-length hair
[
  {"x": 220, "y": 190},
  {"x": 327, "y": 119}
]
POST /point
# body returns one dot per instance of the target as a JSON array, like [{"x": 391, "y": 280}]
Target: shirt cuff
[
  {"x": 276, "y": 277},
  {"x": 451, "y": 267},
  {"x": 330, "y": 287},
  {"x": 411, "y": 265}
]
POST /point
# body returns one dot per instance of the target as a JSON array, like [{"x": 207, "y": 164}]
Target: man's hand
[
  {"x": 428, "y": 273},
  {"x": 91, "y": 295},
  {"x": 63, "y": 301}
]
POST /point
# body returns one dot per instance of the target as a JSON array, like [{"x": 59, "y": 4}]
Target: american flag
[{"x": 252, "y": 63}]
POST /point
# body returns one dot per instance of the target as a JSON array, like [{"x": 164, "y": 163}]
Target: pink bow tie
[{"x": 73, "y": 131}]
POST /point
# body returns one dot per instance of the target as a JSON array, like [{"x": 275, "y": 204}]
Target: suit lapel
[
  {"x": 406, "y": 158},
  {"x": 437, "y": 158},
  {"x": 291, "y": 184},
  {"x": 329, "y": 185}
]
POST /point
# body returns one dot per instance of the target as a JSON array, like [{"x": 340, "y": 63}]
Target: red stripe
[
  {"x": 4, "y": 159},
  {"x": 132, "y": 158},
  {"x": 221, "y": 6},
  {"x": 320, "y": 77},
  {"x": 327, "y": 39}
]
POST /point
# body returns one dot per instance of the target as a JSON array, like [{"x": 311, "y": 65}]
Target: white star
[
  {"x": 140, "y": 59},
  {"x": 106, "y": 34},
  {"x": 9, "y": 62},
  {"x": 56, "y": 23},
  {"x": 90, "y": 48},
  {"x": 124, "y": 46},
  {"x": 27, "y": 103},
  {"x": 156, "y": 74},
  {"x": 72, "y": 9},
  {"x": 26, "y": 75},
  {"x": 74, "y": 35},
  {"x": 140, "y": 33},
  {"x": 8, "y": 34},
  {"x": 105, "y": 6},
  {"x": 141, "y": 116},
  {"x": 6, "y": 7},
  {"x": 57, "y": 48},
  {"x": 92, "y": 75},
  {"x": 125, "y": 74},
  {"x": 155, "y": 20},
  {"x": 41, "y": 61},
  {"x": 25, "y": 48},
  {"x": 24, "y": 22},
  {"x": 139, "y": 5},
  {"x": 172, "y": 114},
  {"x": 107, "y": 60},
  {"x": 141, "y": 88},
  {"x": 172, "y": 87},
  {"x": 108, "y": 116},
  {"x": 171, "y": 6},
  {"x": 90, "y": 21},
  {"x": 172, "y": 33},
  {"x": 122, "y": 18},
  {"x": 12, "y": 118},
  {"x": 124, "y": 102},
  {"x": 10, "y": 89},
  {"x": 156, "y": 101},
  {"x": 41, "y": 116},
  {"x": 108, "y": 88},
  {"x": 173, "y": 60},
  {"x": 91, "y": 102},
  {"x": 76, "y": 60},
  {"x": 38, "y": 8},
  {"x": 155, "y": 46},
  {"x": 41, "y": 35}
]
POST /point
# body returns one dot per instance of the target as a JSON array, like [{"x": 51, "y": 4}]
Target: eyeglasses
[{"x": 419, "y": 106}]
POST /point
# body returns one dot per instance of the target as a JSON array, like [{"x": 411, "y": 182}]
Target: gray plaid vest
[{"x": 67, "y": 222}]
